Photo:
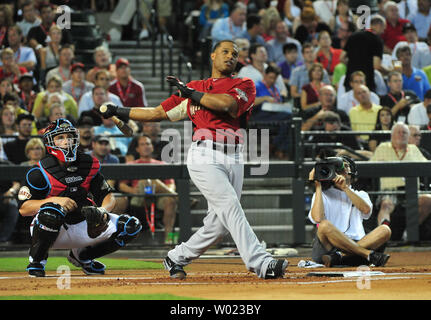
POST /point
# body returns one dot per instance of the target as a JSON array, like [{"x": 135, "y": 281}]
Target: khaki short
[{"x": 164, "y": 7}]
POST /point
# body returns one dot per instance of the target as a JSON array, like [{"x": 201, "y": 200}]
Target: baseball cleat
[
  {"x": 36, "y": 269},
  {"x": 276, "y": 269},
  {"x": 175, "y": 270},
  {"x": 378, "y": 259},
  {"x": 93, "y": 267}
]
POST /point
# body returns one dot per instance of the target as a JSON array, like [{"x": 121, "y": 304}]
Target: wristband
[
  {"x": 196, "y": 96},
  {"x": 123, "y": 113}
]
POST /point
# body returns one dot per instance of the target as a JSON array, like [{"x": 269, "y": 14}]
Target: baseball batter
[
  {"x": 219, "y": 108},
  {"x": 70, "y": 201}
]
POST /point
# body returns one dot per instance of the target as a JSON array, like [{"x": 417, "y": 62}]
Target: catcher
[{"x": 71, "y": 202}]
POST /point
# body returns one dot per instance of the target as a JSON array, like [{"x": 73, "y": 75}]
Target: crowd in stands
[{"x": 309, "y": 59}]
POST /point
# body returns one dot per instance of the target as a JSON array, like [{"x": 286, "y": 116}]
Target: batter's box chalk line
[{"x": 345, "y": 274}]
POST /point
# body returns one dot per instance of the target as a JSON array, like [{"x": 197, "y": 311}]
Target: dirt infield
[{"x": 406, "y": 276}]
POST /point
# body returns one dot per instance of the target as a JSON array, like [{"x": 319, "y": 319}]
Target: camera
[{"x": 327, "y": 169}]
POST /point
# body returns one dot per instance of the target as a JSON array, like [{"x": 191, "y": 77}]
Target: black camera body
[{"x": 327, "y": 169}]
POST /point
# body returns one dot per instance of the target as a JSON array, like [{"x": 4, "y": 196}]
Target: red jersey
[
  {"x": 218, "y": 126},
  {"x": 11, "y": 75},
  {"x": 133, "y": 95}
]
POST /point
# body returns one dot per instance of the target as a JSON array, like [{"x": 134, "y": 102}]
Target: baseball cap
[
  {"x": 122, "y": 61},
  {"x": 408, "y": 27},
  {"x": 101, "y": 139},
  {"x": 77, "y": 65},
  {"x": 85, "y": 121},
  {"x": 25, "y": 76}
]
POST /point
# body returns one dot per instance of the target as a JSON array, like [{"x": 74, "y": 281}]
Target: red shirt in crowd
[
  {"x": 11, "y": 75},
  {"x": 133, "y": 95},
  {"x": 394, "y": 34}
]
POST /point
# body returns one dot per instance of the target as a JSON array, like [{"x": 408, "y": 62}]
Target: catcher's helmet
[{"x": 61, "y": 126}]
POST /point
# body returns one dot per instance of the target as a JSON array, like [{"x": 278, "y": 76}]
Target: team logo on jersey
[
  {"x": 24, "y": 193},
  {"x": 241, "y": 94},
  {"x": 194, "y": 109}
]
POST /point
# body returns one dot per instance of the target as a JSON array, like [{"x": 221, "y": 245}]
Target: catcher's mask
[{"x": 61, "y": 126}]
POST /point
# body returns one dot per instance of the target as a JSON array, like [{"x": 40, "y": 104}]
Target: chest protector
[{"x": 72, "y": 181}]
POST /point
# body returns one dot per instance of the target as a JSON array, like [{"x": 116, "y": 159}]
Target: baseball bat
[{"x": 123, "y": 126}]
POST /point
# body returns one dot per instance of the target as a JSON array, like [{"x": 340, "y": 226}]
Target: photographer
[
  {"x": 338, "y": 211},
  {"x": 397, "y": 99}
]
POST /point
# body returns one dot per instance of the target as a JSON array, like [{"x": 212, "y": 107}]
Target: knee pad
[
  {"x": 49, "y": 221},
  {"x": 128, "y": 228},
  {"x": 51, "y": 217}
]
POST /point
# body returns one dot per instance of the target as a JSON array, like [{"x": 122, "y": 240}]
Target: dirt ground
[{"x": 406, "y": 276}]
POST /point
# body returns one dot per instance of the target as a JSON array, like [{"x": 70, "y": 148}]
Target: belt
[{"x": 225, "y": 148}]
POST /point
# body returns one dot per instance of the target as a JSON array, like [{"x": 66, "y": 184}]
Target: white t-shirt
[
  {"x": 339, "y": 210},
  {"x": 418, "y": 115}
]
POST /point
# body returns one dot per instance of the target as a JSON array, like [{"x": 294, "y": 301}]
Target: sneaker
[
  {"x": 276, "y": 269},
  {"x": 331, "y": 259},
  {"x": 36, "y": 269},
  {"x": 175, "y": 270},
  {"x": 93, "y": 267},
  {"x": 378, "y": 259}
]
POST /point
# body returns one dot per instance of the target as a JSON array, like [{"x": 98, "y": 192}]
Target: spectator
[
  {"x": 34, "y": 151},
  {"x": 50, "y": 54},
  {"x": 167, "y": 204},
  {"x": 415, "y": 138},
  {"x": 331, "y": 122},
  {"x": 231, "y": 27},
  {"x": 271, "y": 17},
  {"x": 26, "y": 93},
  {"x": 407, "y": 7},
  {"x": 274, "y": 46},
  {"x": 391, "y": 207},
  {"x": 385, "y": 121},
  {"x": 8, "y": 125},
  {"x": 210, "y": 12},
  {"x": 6, "y": 21},
  {"x": 313, "y": 117},
  {"x": 254, "y": 29},
  {"x": 119, "y": 145},
  {"x": 15, "y": 150},
  {"x": 364, "y": 50},
  {"x": 30, "y": 18},
  {"x": 256, "y": 69},
  {"x": 10, "y": 69},
  {"x": 397, "y": 99},
  {"x": 101, "y": 80},
  {"x": 24, "y": 56},
  {"x": 130, "y": 90},
  {"x": 340, "y": 37},
  {"x": 6, "y": 86},
  {"x": 350, "y": 99},
  {"x": 343, "y": 15},
  {"x": 12, "y": 99},
  {"x": 421, "y": 53},
  {"x": 85, "y": 126},
  {"x": 327, "y": 55},
  {"x": 394, "y": 26},
  {"x": 307, "y": 26},
  {"x": 103, "y": 61},
  {"x": 325, "y": 10},
  {"x": 99, "y": 96},
  {"x": 339, "y": 241},
  {"x": 421, "y": 19},
  {"x": 418, "y": 112},
  {"x": 54, "y": 85},
  {"x": 164, "y": 12},
  {"x": 64, "y": 64},
  {"x": 310, "y": 91},
  {"x": 77, "y": 86},
  {"x": 290, "y": 10},
  {"x": 363, "y": 117},
  {"x": 413, "y": 79},
  {"x": 290, "y": 51},
  {"x": 8, "y": 208},
  {"x": 243, "y": 47},
  {"x": 269, "y": 108},
  {"x": 37, "y": 36},
  {"x": 300, "y": 75},
  {"x": 153, "y": 130}
]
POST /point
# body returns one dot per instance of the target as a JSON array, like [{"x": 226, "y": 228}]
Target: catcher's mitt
[{"x": 97, "y": 220}]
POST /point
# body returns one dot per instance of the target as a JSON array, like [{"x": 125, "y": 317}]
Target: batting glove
[
  {"x": 185, "y": 91},
  {"x": 114, "y": 110}
]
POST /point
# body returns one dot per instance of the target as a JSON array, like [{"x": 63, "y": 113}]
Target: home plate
[{"x": 346, "y": 274}]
